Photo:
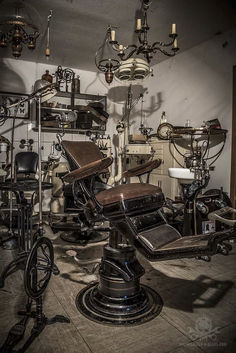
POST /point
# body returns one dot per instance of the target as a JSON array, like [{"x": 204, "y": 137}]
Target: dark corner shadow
[
  {"x": 185, "y": 294},
  {"x": 10, "y": 80}
]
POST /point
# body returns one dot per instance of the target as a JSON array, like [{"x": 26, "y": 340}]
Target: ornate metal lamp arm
[
  {"x": 163, "y": 44},
  {"x": 165, "y": 52},
  {"x": 128, "y": 55}
]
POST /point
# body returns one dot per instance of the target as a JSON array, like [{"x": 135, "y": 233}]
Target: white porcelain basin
[{"x": 184, "y": 175}]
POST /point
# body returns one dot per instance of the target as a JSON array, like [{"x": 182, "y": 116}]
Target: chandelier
[
  {"x": 18, "y": 30},
  {"x": 110, "y": 65}
]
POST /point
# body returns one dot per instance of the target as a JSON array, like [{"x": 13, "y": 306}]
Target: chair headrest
[
  {"x": 26, "y": 162},
  {"x": 81, "y": 153}
]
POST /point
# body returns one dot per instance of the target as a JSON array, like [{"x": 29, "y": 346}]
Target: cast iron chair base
[
  {"x": 134, "y": 310},
  {"x": 118, "y": 298}
]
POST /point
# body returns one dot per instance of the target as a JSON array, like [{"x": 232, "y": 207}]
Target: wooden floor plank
[{"x": 191, "y": 289}]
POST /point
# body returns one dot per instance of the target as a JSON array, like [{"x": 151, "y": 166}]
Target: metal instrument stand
[
  {"x": 25, "y": 235},
  {"x": 37, "y": 275}
]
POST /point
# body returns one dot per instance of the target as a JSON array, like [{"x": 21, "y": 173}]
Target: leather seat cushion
[{"x": 126, "y": 192}]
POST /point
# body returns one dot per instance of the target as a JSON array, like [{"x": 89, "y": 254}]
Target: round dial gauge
[{"x": 164, "y": 130}]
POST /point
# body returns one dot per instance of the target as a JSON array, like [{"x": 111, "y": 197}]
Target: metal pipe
[{"x": 40, "y": 166}]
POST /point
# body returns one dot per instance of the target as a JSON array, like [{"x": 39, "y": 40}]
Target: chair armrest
[
  {"x": 88, "y": 170},
  {"x": 142, "y": 169}
]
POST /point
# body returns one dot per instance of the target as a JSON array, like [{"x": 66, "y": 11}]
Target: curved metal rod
[
  {"x": 182, "y": 155},
  {"x": 163, "y": 51},
  {"x": 101, "y": 47},
  {"x": 208, "y": 143},
  {"x": 162, "y": 44},
  {"x": 216, "y": 154},
  {"x": 130, "y": 53},
  {"x": 172, "y": 155},
  {"x": 192, "y": 144}
]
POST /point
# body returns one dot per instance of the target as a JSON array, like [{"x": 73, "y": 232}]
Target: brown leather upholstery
[
  {"x": 126, "y": 192},
  {"x": 89, "y": 169},
  {"x": 142, "y": 169},
  {"x": 82, "y": 152}
]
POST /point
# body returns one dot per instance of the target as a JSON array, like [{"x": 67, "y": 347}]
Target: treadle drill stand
[
  {"x": 25, "y": 237},
  {"x": 38, "y": 264}
]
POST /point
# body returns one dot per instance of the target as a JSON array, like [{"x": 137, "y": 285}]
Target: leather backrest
[
  {"x": 26, "y": 162},
  {"x": 81, "y": 153}
]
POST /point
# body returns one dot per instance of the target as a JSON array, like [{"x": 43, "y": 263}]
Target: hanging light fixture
[
  {"x": 133, "y": 69},
  {"x": 129, "y": 66},
  {"x": 17, "y": 28},
  {"x": 108, "y": 66}
]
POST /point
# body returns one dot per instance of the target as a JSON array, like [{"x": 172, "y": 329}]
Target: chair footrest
[
  {"x": 164, "y": 242},
  {"x": 199, "y": 241},
  {"x": 158, "y": 237},
  {"x": 166, "y": 238}
]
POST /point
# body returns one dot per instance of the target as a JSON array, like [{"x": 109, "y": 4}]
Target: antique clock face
[{"x": 164, "y": 130}]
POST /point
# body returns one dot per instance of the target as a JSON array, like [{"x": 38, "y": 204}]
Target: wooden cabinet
[{"x": 165, "y": 151}]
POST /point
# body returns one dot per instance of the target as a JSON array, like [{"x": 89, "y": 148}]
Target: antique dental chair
[
  {"x": 83, "y": 230},
  {"x": 134, "y": 212},
  {"x": 78, "y": 154},
  {"x": 25, "y": 168}
]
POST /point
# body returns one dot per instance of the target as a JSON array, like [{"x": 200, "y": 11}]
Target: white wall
[
  {"x": 19, "y": 76},
  {"x": 195, "y": 85}
]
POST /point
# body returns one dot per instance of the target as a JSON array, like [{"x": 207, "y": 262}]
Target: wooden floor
[{"x": 199, "y": 313}]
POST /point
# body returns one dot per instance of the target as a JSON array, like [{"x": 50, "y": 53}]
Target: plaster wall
[
  {"x": 195, "y": 85},
  {"x": 19, "y": 76}
]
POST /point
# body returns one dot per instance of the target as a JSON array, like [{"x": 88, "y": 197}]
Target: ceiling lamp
[
  {"x": 133, "y": 69},
  {"x": 16, "y": 28},
  {"x": 124, "y": 53}
]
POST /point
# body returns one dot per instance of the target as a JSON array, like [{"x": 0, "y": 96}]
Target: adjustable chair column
[{"x": 119, "y": 298}]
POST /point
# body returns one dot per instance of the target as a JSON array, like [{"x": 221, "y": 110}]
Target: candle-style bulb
[
  {"x": 173, "y": 31},
  {"x": 139, "y": 24},
  {"x": 47, "y": 53},
  {"x": 113, "y": 35}
]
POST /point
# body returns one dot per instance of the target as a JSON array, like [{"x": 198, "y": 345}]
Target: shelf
[
  {"x": 51, "y": 109},
  {"x": 74, "y": 96},
  {"x": 85, "y": 96},
  {"x": 69, "y": 131}
]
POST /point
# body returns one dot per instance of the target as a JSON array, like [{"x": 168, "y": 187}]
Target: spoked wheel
[{"x": 39, "y": 267}]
